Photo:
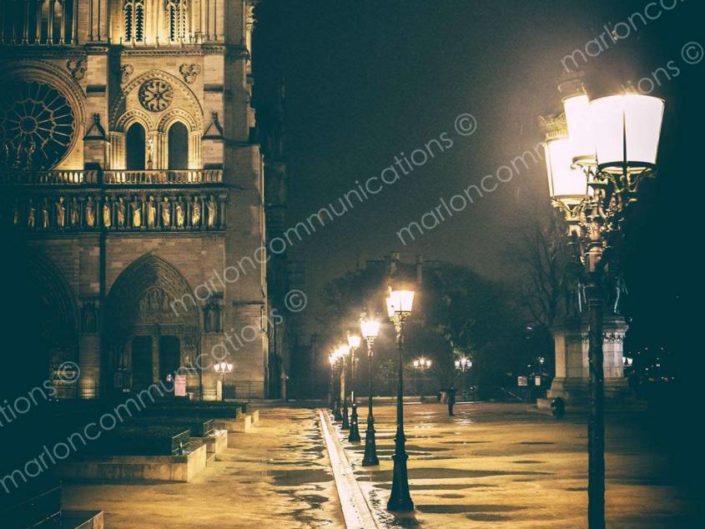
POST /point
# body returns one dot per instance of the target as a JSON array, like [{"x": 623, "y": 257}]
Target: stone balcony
[{"x": 94, "y": 177}]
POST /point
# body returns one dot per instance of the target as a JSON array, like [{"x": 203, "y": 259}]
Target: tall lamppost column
[
  {"x": 597, "y": 154},
  {"x": 342, "y": 353},
  {"x": 370, "y": 330},
  {"x": 399, "y": 303},
  {"x": 354, "y": 435}
]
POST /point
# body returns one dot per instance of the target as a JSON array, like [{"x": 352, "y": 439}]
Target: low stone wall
[
  {"x": 137, "y": 468},
  {"x": 217, "y": 442}
]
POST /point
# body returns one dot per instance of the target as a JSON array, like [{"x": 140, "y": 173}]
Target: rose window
[
  {"x": 156, "y": 95},
  {"x": 37, "y": 126}
]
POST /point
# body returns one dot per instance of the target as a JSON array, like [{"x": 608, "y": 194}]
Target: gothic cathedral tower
[{"x": 131, "y": 177}]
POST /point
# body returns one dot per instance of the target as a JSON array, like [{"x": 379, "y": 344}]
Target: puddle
[
  {"x": 452, "y": 486},
  {"x": 300, "y": 477},
  {"x": 487, "y": 517},
  {"x": 461, "y": 509},
  {"x": 440, "y": 473}
]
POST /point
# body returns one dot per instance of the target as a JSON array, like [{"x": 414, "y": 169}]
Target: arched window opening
[
  {"x": 133, "y": 14},
  {"x": 177, "y": 16},
  {"x": 135, "y": 142},
  {"x": 178, "y": 146}
]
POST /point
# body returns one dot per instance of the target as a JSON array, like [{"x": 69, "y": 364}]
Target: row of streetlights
[{"x": 399, "y": 304}]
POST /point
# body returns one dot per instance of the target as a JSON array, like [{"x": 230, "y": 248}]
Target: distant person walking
[{"x": 451, "y": 400}]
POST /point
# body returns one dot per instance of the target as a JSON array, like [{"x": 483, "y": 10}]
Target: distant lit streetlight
[
  {"x": 422, "y": 364},
  {"x": 335, "y": 385},
  {"x": 597, "y": 154},
  {"x": 369, "y": 328},
  {"x": 353, "y": 342},
  {"x": 341, "y": 352},
  {"x": 222, "y": 368},
  {"x": 399, "y": 305}
]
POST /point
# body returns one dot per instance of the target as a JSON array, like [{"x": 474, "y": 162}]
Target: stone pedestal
[{"x": 572, "y": 379}]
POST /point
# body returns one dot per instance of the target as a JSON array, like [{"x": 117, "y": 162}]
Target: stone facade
[{"x": 128, "y": 166}]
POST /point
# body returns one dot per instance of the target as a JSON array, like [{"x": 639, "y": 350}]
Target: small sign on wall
[{"x": 180, "y": 386}]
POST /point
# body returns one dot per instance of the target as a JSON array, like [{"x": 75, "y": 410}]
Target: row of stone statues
[{"x": 120, "y": 212}]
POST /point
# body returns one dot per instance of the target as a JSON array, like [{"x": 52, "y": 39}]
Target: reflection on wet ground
[
  {"x": 502, "y": 467},
  {"x": 276, "y": 477}
]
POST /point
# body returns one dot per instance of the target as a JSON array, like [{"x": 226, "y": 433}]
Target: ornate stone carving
[
  {"x": 90, "y": 213},
  {"x": 89, "y": 317},
  {"x": 77, "y": 68},
  {"x": 189, "y": 72},
  {"x": 126, "y": 71},
  {"x": 156, "y": 95}
]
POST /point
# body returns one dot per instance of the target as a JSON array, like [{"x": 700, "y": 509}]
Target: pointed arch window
[
  {"x": 135, "y": 143},
  {"x": 178, "y": 146},
  {"x": 133, "y": 20},
  {"x": 177, "y": 14}
]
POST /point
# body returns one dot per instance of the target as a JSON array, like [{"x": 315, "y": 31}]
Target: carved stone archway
[{"x": 139, "y": 316}]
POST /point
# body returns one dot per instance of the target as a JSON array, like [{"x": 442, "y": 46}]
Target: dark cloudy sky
[{"x": 367, "y": 80}]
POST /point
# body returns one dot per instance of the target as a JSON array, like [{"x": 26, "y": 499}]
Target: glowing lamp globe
[
  {"x": 566, "y": 182},
  {"x": 627, "y": 130},
  {"x": 582, "y": 142},
  {"x": 400, "y": 302},
  {"x": 369, "y": 328}
]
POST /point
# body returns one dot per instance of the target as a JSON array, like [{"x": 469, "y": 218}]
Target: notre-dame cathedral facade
[{"x": 131, "y": 178}]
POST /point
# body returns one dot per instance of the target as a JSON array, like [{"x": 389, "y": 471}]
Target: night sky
[{"x": 366, "y": 81}]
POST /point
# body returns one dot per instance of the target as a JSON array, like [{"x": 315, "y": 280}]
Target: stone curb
[{"x": 356, "y": 511}]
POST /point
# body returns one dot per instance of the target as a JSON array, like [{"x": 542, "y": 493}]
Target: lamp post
[
  {"x": 370, "y": 329},
  {"x": 342, "y": 351},
  {"x": 222, "y": 368},
  {"x": 354, "y": 435},
  {"x": 335, "y": 381},
  {"x": 594, "y": 172},
  {"x": 463, "y": 364},
  {"x": 422, "y": 364},
  {"x": 399, "y": 304}
]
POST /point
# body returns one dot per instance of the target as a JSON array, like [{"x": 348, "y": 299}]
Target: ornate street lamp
[
  {"x": 335, "y": 390},
  {"x": 353, "y": 342},
  {"x": 222, "y": 368},
  {"x": 422, "y": 364},
  {"x": 399, "y": 304},
  {"x": 369, "y": 328},
  {"x": 463, "y": 364},
  {"x": 594, "y": 172},
  {"x": 341, "y": 352}
]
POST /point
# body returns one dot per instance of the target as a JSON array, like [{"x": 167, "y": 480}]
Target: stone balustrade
[{"x": 113, "y": 177}]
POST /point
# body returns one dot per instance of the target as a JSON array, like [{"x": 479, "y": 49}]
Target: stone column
[{"x": 571, "y": 382}]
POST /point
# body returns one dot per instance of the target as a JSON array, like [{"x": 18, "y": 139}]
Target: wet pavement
[
  {"x": 278, "y": 477},
  {"x": 503, "y": 466}
]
